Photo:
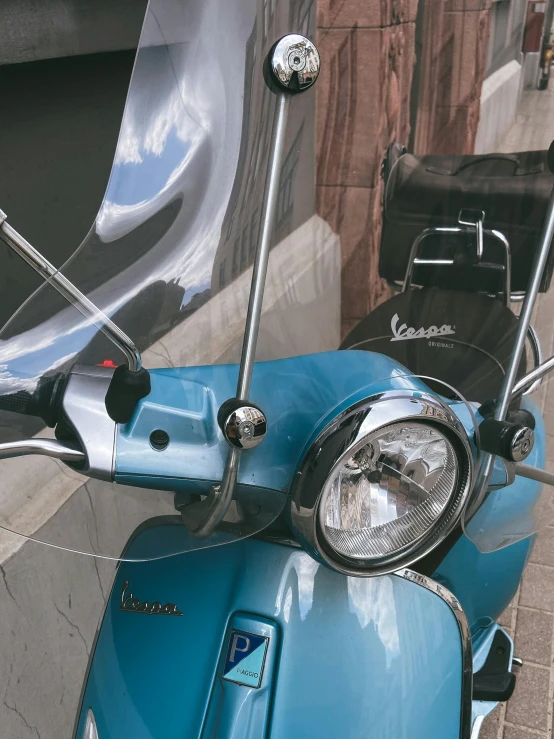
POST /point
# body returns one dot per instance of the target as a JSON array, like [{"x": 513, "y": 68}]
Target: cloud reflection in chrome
[{"x": 180, "y": 141}]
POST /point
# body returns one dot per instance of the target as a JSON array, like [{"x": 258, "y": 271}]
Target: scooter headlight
[{"x": 383, "y": 484}]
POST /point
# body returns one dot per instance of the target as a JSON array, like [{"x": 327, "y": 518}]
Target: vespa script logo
[
  {"x": 403, "y": 333},
  {"x": 130, "y": 603}
]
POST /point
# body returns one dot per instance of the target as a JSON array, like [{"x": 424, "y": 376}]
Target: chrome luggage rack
[{"x": 471, "y": 223}]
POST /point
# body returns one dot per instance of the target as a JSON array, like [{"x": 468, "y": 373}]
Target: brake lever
[{"x": 45, "y": 447}]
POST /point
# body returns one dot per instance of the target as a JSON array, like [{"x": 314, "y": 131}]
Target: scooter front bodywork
[
  {"x": 342, "y": 657},
  {"x": 333, "y": 655}
]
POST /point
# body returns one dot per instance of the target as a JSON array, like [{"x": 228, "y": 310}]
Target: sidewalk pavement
[{"x": 530, "y": 617}]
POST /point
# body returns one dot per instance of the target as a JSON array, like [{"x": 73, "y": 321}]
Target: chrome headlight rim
[{"x": 335, "y": 444}]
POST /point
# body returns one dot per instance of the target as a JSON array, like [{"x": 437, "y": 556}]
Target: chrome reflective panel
[{"x": 465, "y": 638}]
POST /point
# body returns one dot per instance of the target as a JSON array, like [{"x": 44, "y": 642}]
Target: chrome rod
[
  {"x": 415, "y": 249},
  {"x": 535, "y": 374},
  {"x": 259, "y": 273},
  {"x": 536, "y": 351},
  {"x": 68, "y": 291},
  {"x": 220, "y": 497},
  {"x": 213, "y": 508},
  {"x": 414, "y": 260},
  {"x": 508, "y": 385},
  {"x": 479, "y": 238},
  {"x": 44, "y": 447},
  {"x": 299, "y": 52},
  {"x": 526, "y": 312},
  {"x": 252, "y": 326},
  {"x": 534, "y": 473}
]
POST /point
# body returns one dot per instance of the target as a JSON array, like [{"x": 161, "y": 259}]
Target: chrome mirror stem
[
  {"x": 293, "y": 64},
  {"x": 218, "y": 501},
  {"x": 531, "y": 377},
  {"x": 67, "y": 290},
  {"x": 259, "y": 273},
  {"x": 539, "y": 263},
  {"x": 508, "y": 390}
]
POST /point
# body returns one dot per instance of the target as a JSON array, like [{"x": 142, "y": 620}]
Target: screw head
[{"x": 295, "y": 62}]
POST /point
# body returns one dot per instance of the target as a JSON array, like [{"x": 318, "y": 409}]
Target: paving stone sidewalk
[{"x": 530, "y": 617}]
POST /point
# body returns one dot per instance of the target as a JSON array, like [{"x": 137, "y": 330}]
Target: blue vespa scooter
[{"x": 300, "y": 523}]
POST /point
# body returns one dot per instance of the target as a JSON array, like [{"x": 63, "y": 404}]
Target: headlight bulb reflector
[{"x": 389, "y": 491}]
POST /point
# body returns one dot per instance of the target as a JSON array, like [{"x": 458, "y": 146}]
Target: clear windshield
[{"x": 412, "y": 191}]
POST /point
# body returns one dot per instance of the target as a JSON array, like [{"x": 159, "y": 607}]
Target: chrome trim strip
[
  {"x": 465, "y": 636},
  {"x": 90, "y": 731}
]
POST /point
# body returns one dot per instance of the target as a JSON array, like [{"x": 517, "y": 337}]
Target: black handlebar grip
[
  {"x": 43, "y": 402},
  {"x": 550, "y": 157},
  {"x": 20, "y": 402}
]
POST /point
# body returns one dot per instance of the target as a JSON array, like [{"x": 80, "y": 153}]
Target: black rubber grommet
[
  {"x": 159, "y": 440},
  {"x": 125, "y": 390}
]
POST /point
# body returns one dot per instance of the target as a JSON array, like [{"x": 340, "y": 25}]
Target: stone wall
[
  {"x": 367, "y": 99},
  {"x": 363, "y": 105},
  {"x": 453, "y": 36},
  {"x": 47, "y": 29},
  {"x": 499, "y": 103}
]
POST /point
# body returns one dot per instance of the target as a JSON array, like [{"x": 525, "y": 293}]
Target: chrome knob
[
  {"x": 294, "y": 62},
  {"x": 511, "y": 441},
  {"x": 244, "y": 426},
  {"x": 522, "y": 443}
]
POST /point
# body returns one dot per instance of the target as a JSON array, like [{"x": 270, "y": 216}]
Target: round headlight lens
[{"x": 389, "y": 492}]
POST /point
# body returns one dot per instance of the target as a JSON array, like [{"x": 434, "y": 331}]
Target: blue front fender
[{"x": 348, "y": 657}]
